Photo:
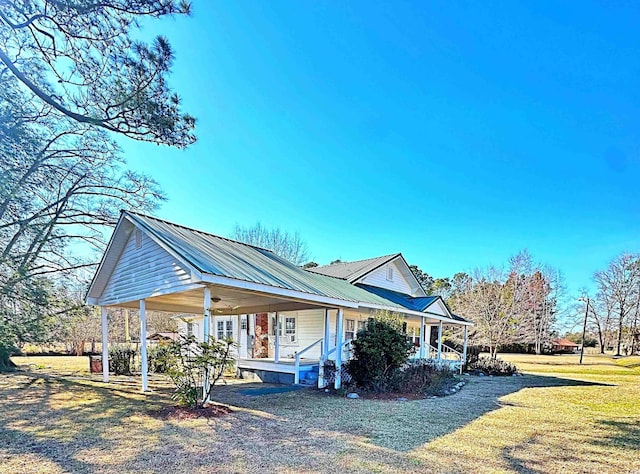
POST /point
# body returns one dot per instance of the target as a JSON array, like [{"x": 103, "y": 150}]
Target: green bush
[
  {"x": 157, "y": 357},
  {"x": 378, "y": 351},
  {"x": 489, "y": 366},
  {"x": 189, "y": 361},
  {"x": 422, "y": 377},
  {"x": 121, "y": 360}
]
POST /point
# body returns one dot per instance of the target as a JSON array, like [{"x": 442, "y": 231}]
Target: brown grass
[{"x": 560, "y": 417}]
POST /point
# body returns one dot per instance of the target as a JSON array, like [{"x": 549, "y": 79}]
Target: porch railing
[
  {"x": 446, "y": 353},
  {"x": 296, "y": 373}
]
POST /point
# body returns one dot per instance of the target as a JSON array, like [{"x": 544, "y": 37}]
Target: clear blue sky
[{"x": 457, "y": 134}]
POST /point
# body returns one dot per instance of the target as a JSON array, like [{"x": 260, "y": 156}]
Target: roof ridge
[
  {"x": 361, "y": 260},
  {"x": 197, "y": 230}
]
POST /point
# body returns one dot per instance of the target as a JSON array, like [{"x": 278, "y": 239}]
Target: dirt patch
[{"x": 184, "y": 413}]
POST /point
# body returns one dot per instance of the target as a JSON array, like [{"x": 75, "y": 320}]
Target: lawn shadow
[
  {"x": 401, "y": 426},
  {"x": 77, "y": 422}
]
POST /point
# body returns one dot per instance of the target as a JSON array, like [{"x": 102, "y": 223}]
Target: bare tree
[
  {"x": 491, "y": 306},
  {"x": 619, "y": 287},
  {"x": 284, "y": 244}
]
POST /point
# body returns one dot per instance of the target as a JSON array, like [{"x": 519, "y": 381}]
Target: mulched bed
[{"x": 184, "y": 413}]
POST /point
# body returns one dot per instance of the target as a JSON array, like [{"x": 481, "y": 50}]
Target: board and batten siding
[
  {"x": 145, "y": 272},
  {"x": 379, "y": 278}
]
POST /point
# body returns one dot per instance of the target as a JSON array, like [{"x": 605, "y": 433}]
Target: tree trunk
[
  {"x": 619, "y": 337},
  {"x": 6, "y": 365}
]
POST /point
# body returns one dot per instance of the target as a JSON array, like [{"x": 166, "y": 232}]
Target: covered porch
[{"x": 308, "y": 333}]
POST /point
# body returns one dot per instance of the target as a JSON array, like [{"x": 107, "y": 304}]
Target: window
[
  {"x": 290, "y": 329},
  {"x": 243, "y": 322},
  {"x": 389, "y": 273},
  {"x": 350, "y": 329},
  {"x": 362, "y": 325},
  {"x": 288, "y": 333},
  {"x": 414, "y": 335},
  {"x": 224, "y": 329},
  {"x": 189, "y": 329}
]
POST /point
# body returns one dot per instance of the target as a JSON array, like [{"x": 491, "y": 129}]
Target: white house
[{"x": 286, "y": 320}]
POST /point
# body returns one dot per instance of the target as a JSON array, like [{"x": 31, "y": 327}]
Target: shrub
[
  {"x": 473, "y": 354},
  {"x": 188, "y": 361},
  {"x": 379, "y": 350},
  {"x": 121, "y": 360},
  {"x": 422, "y": 377},
  {"x": 489, "y": 366},
  {"x": 157, "y": 359}
]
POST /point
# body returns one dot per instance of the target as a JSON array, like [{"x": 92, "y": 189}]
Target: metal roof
[
  {"x": 215, "y": 255},
  {"x": 419, "y": 303},
  {"x": 220, "y": 256},
  {"x": 353, "y": 271}
]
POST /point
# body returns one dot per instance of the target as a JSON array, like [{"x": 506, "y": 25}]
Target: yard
[{"x": 55, "y": 417}]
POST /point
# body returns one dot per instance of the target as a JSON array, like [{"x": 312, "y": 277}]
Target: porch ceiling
[{"x": 232, "y": 301}]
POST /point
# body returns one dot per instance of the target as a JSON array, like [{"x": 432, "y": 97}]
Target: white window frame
[
  {"x": 283, "y": 332},
  {"x": 349, "y": 330}
]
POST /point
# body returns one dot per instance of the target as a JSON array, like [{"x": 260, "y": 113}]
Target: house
[
  {"x": 564, "y": 345},
  {"x": 287, "y": 321},
  {"x": 161, "y": 337}
]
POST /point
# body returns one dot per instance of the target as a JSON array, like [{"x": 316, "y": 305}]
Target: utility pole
[{"x": 584, "y": 327}]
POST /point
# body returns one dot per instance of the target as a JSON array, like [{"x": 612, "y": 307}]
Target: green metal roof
[{"x": 215, "y": 255}]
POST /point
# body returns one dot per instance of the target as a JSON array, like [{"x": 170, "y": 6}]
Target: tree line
[{"x": 517, "y": 304}]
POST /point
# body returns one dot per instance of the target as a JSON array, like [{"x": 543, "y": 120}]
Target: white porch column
[
  {"x": 440, "y": 340},
  {"x": 239, "y": 332},
  {"x": 464, "y": 345},
  {"x": 143, "y": 344},
  {"x": 428, "y": 340},
  {"x": 207, "y": 314},
  {"x": 276, "y": 355},
  {"x": 324, "y": 348},
  {"x": 251, "y": 321},
  {"x": 422, "y": 331},
  {"x": 327, "y": 332},
  {"x": 206, "y": 328},
  {"x": 105, "y": 343},
  {"x": 339, "y": 341}
]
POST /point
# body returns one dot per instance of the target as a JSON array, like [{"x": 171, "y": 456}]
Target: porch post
[
  {"x": 440, "y": 340},
  {"x": 206, "y": 327},
  {"x": 324, "y": 349},
  {"x": 464, "y": 346},
  {"x": 428, "y": 341},
  {"x": 422, "y": 328},
  {"x": 143, "y": 344},
  {"x": 251, "y": 321},
  {"x": 207, "y": 314},
  {"x": 339, "y": 341},
  {"x": 105, "y": 343},
  {"x": 276, "y": 355},
  {"x": 327, "y": 331},
  {"x": 238, "y": 332}
]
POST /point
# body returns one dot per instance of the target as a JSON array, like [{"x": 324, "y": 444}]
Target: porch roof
[{"x": 220, "y": 261}]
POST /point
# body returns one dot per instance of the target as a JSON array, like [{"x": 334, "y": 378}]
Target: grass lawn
[{"x": 559, "y": 417}]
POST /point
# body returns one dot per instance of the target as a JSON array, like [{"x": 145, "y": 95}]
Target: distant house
[
  {"x": 163, "y": 336},
  {"x": 287, "y": 321},
  {"x": 564, "y": 345}
]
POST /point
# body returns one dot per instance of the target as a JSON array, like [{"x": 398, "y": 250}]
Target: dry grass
[{"x": 559, "y": 417}]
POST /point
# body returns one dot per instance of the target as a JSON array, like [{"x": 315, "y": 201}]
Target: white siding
[
  {"x": 379, "y": 278},
  {"x": 144, "y": 272},
  {"x": 438, "y": 308}
]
